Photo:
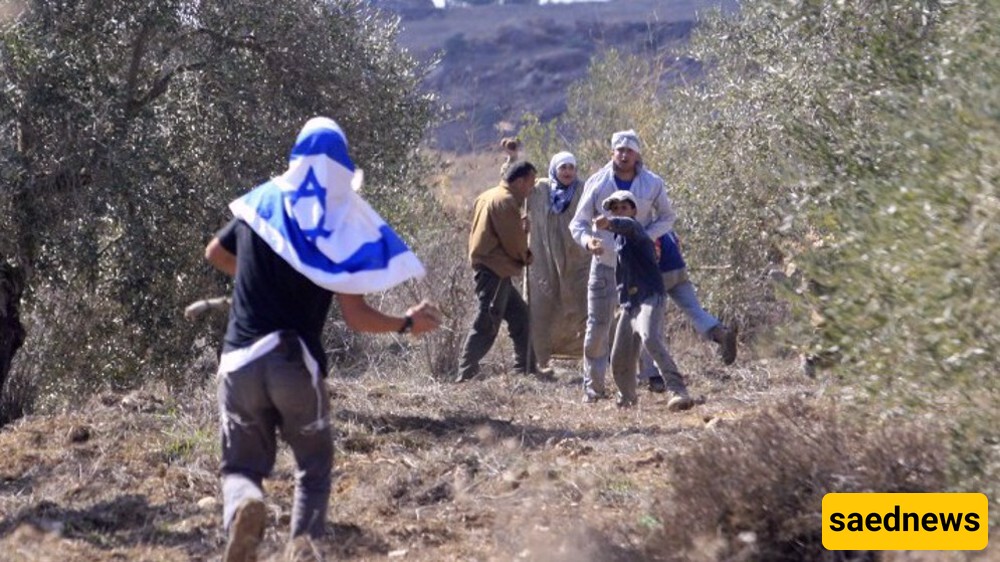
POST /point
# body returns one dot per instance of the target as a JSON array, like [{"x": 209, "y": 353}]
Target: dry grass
[
  {"x": 503, "y": 468},
  {"x": 462, "y": 177},
  {"x": 498, "y": 469},
  {"x": 119, "y": 477}
]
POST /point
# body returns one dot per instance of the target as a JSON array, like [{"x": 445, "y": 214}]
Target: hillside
[{"x": 498, "y": 62}]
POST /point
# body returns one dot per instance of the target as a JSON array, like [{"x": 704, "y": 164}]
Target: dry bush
[
  {"x": 441, "y": 242},
  {"x": 349, "y": 352},
  {"x": 449, "y": 284},
  {"x": 17, "y": 398},
  {"x": 755, "y": 492}
]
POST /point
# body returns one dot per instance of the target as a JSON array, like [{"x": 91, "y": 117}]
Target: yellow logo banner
[{"x": 905, "y": 521}]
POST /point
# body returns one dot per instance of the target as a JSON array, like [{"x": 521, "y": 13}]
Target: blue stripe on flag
[
  {"x": 267, "y": 200},
  {"x": 324, "y": 141},
  {"x": 368, "y": 257}
]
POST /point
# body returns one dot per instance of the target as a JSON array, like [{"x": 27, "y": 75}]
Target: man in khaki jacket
[{"x": 498, "y": 250}]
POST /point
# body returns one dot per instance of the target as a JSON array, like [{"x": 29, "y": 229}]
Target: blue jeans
[
  {"x": 685, "y": 297},
  {"x": 602, "y": 299}
]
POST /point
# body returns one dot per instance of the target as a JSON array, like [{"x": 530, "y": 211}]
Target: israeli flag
[{"x": 313, "y": 217}]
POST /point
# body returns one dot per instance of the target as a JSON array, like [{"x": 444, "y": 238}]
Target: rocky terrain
[
  {"x": 498, "y": 62},
  {"x": 507, "y": 468}
]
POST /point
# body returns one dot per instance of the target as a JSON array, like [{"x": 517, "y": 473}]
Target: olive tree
[
  {"x": 845, "y": 154},
  {"x": 125, "y": 129}
]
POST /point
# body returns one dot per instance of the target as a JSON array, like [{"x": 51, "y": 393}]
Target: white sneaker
[{"x": 679, "y": 401}]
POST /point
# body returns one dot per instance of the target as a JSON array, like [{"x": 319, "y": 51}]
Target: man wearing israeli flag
[{"x": 294, "y": 242}]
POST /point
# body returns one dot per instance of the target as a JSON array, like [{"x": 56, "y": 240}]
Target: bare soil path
[{"x": 504, "y": 468}]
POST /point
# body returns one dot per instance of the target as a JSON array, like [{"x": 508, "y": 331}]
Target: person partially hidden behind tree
[
  {"x": 642, "y": 296},
  {"x": 498, "y": 250},
  {"x": 273, "y": 364}
]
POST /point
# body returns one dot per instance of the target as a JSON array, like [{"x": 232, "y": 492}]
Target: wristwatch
[{"x": 407, "y": 325}]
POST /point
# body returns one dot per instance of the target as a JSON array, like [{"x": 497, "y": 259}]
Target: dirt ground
[{"x": 504, "y": 468}]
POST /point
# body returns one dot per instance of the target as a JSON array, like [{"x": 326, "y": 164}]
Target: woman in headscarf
[{"x": 557, "y": 278}]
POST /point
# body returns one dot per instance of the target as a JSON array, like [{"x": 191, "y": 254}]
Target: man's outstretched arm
[
  {"x": 361, "y": 317},
  {"x": 627, "y": 227}
]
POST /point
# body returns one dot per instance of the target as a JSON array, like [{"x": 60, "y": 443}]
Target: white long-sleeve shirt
[{"x": 653, "y": 209}]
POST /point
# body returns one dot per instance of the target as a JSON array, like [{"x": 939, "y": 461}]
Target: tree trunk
[{"x": 11, "y": 330}]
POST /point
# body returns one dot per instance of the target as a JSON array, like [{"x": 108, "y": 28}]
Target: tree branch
[
  {"x": 160, "y": 86},
  {"x": 138, "y": 52},
  {"x": 246, "y": 42}
]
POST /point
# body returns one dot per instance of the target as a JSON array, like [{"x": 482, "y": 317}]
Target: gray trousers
[
  {"x": 602, "y": 299},
  {"x": 640, "y": 328},
  {"x": 681, "y": 291},
  {"x": 498, "y": 301},
  {"x": 276, "y": 391}
]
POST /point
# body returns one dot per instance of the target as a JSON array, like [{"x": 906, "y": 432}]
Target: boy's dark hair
[{"x": 518, "y": 170}]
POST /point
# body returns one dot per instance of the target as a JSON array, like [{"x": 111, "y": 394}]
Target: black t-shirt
[{"x": 270, "y": 296}]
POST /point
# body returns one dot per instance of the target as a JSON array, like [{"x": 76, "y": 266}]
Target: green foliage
[
  {"x": 621, "y": 92},
  {"x": 182, "y": 447},
  {"x": 919, "y": 221},
  {"x": 687, "y": 139},
  {"x": 539, "y": 141},
  {"x": 877, "y": 121},
  {"x": 127, "y": 129},
  {"x": 848, "y": 151},
  {"x": 874, "y": 126}
]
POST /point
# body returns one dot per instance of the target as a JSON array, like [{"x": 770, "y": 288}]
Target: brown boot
[
  {"x": 246, "y": 531},
  {"x": 726, "y": 339}
]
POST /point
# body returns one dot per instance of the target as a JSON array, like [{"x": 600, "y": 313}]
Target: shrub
[
  {"x": 127, "y": 131},
  {"x": 850, "y": 147},
  {"x": 754, "y": 491},
  {"x": 442, "y": 249}
]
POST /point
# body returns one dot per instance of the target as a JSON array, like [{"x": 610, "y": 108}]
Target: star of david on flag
[{"x": 313, "y": 217}]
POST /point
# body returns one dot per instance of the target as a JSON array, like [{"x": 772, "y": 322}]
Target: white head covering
[
  {"x": 620, "y": 195},
  {"x": 558, "y": 159},
  {"x": 628, "y": 139},
  {"x": 314, "y": 218}
]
